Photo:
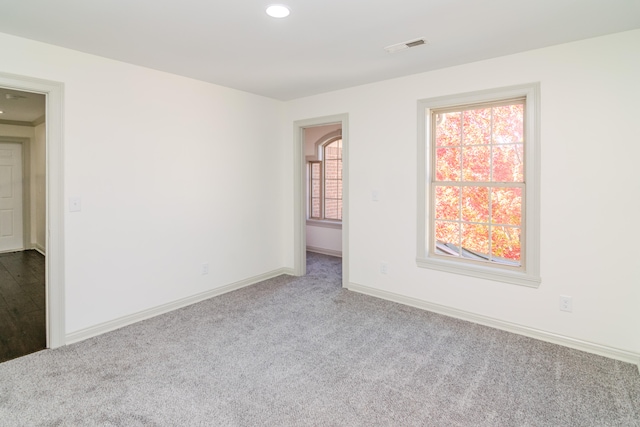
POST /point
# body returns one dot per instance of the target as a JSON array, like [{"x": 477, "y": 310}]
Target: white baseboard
[
  {"x": 324, "y": 251},
  {"x": 114, "y": 324},
  {"x": 589, "y": 347},
  {"x": 40, "y": 249}
]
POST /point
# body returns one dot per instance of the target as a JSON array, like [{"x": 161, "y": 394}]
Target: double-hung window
[
  {"x": 479, "y": 184},
  {"x": 325, "y": 182}
]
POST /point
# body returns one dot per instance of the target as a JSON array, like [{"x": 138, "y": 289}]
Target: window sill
[
  {"x": 324, "y": 224},
  {"x": 489, "y": 273}
]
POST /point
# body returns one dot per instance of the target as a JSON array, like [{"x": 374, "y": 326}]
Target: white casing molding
[
  {"x": 299, "y": 192},
  {"x": 130, "y": 319},
  {"x": 589, "y": 347},
  {"x": 55, "y": 296}
]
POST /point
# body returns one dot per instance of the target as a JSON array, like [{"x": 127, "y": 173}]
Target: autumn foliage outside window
[
  {"x": 477, "y": 184},
  {"x": 325, "y": 181}
]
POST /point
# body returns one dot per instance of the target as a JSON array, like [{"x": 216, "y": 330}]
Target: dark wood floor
[{"x": 22, "y": 304}]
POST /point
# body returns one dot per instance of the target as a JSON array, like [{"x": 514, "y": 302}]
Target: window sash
[
  {"x": 461, "y": 183},
  {"x": 320, "y": 196}
]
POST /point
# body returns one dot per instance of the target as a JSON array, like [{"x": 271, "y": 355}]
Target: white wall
[
  {"x": 172, "y": 173},
  {"x": 589, "y": 186}
]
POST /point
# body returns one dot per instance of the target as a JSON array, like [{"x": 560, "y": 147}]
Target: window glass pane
[
  {"x": 506, "y": 206},
  {"x": 331, "y": 209},
  {"x": 447, "y": 127},
  {"x": 476, "y": 163},
  {"x": 340, "y": 169},
  {"x": 315, "y": 188},
  {"x": 331, "y": 151},
  {"x": 508, "y": 163},
  {"x": 475, "y": 204},
  {"x": 315, "y": 207},
  {"x": 315, "y": 170},
  {"x": 476, "y": 126},
  {"x": 330, "y": 189},
  {"x": 340, "y": 209},
  {"x": 508, "y": 124},
  {"x": 447, "y": 203},
  {"x": 339, "y": 184},
  {"x": 505, "y": 242},
  {"x": 448, "y": 232},
  {"x": 448, "y": 164},
  {"x": 331, "y": 169},
  {"x": 475, "y": 237}
]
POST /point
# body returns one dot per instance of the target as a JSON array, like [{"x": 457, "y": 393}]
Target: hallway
[{"x": 22, "y": 304}]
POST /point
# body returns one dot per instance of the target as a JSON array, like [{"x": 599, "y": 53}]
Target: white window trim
[
  {"x": 530, "y": 274},
  {"x": 325, "y": 223}
]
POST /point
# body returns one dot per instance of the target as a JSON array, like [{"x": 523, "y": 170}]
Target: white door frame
[
  {"x": 53, "y": 92},
  {"x": 300, "y": 195}
]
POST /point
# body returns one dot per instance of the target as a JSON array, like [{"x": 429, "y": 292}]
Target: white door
[{"x": 10, "y": 197}]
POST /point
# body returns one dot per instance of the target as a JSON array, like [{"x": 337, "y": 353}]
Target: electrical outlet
[
  {"x": 205, "y": 268},
  {"x": 75, "y": 204},
  {"x": 566, "y": 303},
  {"x": 384, "y": 268}
]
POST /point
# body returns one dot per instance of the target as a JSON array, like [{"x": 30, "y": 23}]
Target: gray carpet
[{"x": 304, "y": 352}]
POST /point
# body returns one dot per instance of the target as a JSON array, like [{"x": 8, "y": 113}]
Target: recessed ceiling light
[
  {"x": 278, "y": 11},
  {"x": 1, "y": 112}
]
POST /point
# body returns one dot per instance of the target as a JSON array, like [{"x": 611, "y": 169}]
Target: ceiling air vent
[{"x": 405, "y": 45}]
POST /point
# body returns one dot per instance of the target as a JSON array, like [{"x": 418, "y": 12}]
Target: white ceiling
[
  {"x": 21, "y": 106},
  {"x": 323, "y": 45}
]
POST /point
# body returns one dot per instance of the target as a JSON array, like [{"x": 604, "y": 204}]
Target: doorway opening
[
  {"x": 22, "y": 223},
  {"x": 31, "y": 216},
  {"x": 321, "y": 190}
]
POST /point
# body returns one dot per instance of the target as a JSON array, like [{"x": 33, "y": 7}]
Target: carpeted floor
[{"x": 304, "y": 352}]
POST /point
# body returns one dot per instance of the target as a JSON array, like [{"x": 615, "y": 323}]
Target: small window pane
[
  {"x": 340, "y": 210},
  {"x": 475, "y": 237},
  {"x": 448, "y": 127},
  {"x": 447, "y": 203},
  {"x": 476, "y": 126},
  {"x": 315, "y": 207},
  {"x": 508, "y": 124},
  {"x": 508, "y": 163},
  {"x": 475, "y": 204},
  {"x": 506, "y": 206},
  {"x": 448, "y": 164},
  {"x": 330, "y": 189},
  {"x": 447, "y": 232},
  {"x": 331, "y": 169},
  {"x": 315, "y": 170},
  {"x": 331, "y": 151},
  {"x": 315, "y": 188},
  {"x": 331, "y": 209},
  {"x": 505, "y": 242},
  {"x": 340, "y": 169},
  {"x": 476, "y": 164}
]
